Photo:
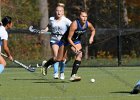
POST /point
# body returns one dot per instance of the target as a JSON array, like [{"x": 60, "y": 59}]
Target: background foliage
[{"x": 111, "y": 18}]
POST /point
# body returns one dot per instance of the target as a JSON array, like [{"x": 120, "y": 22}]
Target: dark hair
[
  {"x": 82, "y": 10},
  {"x": 6, "y": 20}
]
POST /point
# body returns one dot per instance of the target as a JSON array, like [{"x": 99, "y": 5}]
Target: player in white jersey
[
  {"x": 58, "y": 25},
  {"x": 6, "y": 24},
  {"x": 73, "y": 39}
]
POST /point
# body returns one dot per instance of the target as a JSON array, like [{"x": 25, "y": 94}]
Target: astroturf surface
[{"x": 111, "y": 83}]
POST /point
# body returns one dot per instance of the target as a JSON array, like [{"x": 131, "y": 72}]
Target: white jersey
[
  {"x": 58, "y": 28},
  {"x": 3, "y": 35}
]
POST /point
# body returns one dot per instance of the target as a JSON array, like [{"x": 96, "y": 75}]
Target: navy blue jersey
[
  {"x": 79, "y": 31},
  {"x": 77, "y": 34}
]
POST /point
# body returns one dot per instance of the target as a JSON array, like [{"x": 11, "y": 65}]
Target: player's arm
[
  {"x": 92, "y": 29},
  {"x": 73, "y": 27},
  {"x": 6, "y": 49}
]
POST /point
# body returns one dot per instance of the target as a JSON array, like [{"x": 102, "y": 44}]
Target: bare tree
[
  {"x": 125, "y": 15},
  {"x": 0, "y": 10},
  {"x": 86, "y": 47},
  {"x": 44, "y": 12},
  {"x": 43, "y": 23}
]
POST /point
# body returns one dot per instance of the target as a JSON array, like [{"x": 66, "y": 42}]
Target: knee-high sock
[
  {"x": 49, "y": 62},
  {"x": 1, "y": 68},
  {"x": 75, "y": 67},
  {"x": 62, "y": 66},
  {"x": 55, "y": 67}
]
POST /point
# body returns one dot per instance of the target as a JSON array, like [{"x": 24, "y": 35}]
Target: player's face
[
  {"x": 9, "y": 25},
  {"x": 83, "y": 17},
  {"x": 59, "y": 12}
]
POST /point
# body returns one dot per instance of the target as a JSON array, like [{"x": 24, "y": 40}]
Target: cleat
[
  {"x": 75, "y": 78},
  {"x": 43, "y": 68},
  {"x": 136, "y": 88},
  {"x": 62, "y": 76},
  {"x": 44, "y": 71}
]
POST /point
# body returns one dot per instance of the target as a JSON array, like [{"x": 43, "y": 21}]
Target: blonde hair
[{"x": 61, "y": 5}]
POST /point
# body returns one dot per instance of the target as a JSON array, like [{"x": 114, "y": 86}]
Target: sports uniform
[
  {"x": 73, "y": 38},
  {"x": 58, "y": 29},
  {"x": 77, "y": 34},
  {"x": 6, "y": 24},
  {"x": 76, "y": 38},
  {"x": 3, "y": 35}
]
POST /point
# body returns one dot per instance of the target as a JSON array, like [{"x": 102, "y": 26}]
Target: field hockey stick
[
  {"x": 36, "y": 31},
  {"x": 29, "y": 68}
]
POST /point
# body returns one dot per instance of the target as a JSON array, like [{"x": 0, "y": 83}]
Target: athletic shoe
[
  {"x": 43, "y": 68},
  {"x": 75, "y": 78},
  {"x": 136, "y": 88},
  {"x": 56, "y": 76},
  {"x": 62, "y": 76}
]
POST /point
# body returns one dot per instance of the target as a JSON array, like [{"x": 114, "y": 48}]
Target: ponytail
[{"x": 6, "y": 20}]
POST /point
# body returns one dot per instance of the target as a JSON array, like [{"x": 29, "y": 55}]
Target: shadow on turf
[
  {"x": 29, "y": 79},
  {"x": 122, "y": 92},
  {"x": 46, "y": 81},
  {"x": 53, "y": 82}
]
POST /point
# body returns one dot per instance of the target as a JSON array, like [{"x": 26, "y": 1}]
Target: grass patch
[{"x": 111, "y": 83}]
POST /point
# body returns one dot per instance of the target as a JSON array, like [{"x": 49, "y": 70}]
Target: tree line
[{"x": 105, "y": 15}]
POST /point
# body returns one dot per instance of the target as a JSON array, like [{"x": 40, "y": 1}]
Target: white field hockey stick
[
  {"x": 33, "y": 30},
  {"x": 29, "y": 68}
]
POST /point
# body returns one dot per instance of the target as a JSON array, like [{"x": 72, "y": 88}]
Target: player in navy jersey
[
  {"x": 77, "y": 29},
  {"x": 73, "y": 39}
]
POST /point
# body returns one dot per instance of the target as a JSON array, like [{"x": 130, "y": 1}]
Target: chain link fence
[{"x": 117, "y": 40}]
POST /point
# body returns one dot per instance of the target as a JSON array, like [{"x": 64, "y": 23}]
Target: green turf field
[{"x": 112, "y": 83}]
